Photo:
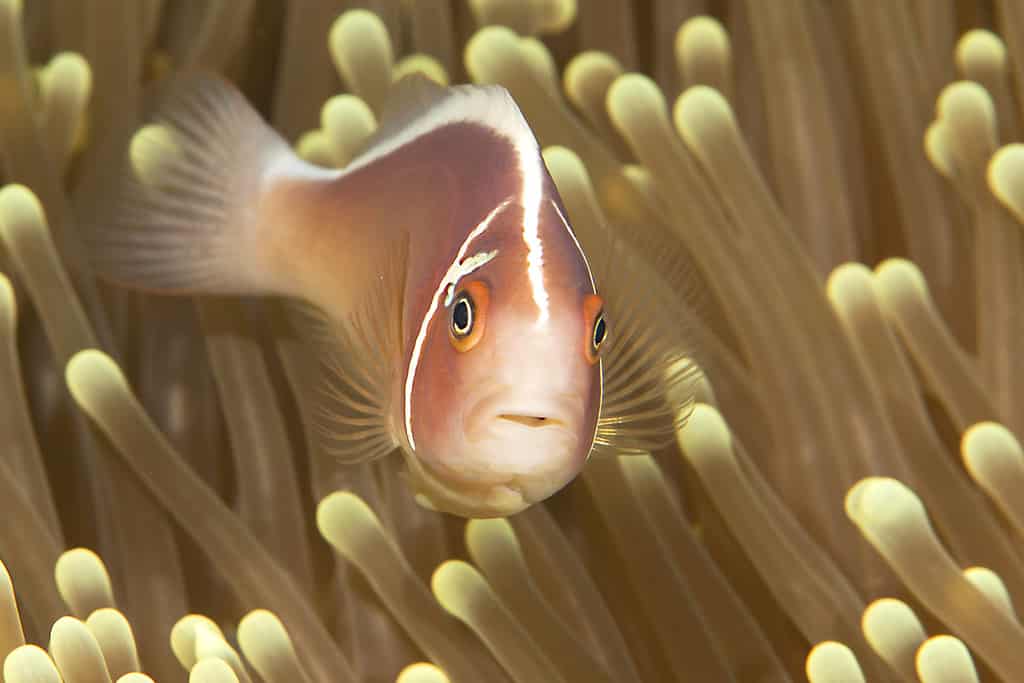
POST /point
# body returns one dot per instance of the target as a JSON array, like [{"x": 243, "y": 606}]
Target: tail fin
[{"x": 185, "y": 218}]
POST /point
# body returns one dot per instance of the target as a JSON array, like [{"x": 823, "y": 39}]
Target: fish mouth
[
  {"x": 531, "y": 414},
  {"x": 532, "y": 420}
]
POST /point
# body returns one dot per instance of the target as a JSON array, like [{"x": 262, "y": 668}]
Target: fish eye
[
  {"x": 468, "y": 316},
  {"x": 597, "y": 331},
  {"x": 600, "y": 332},
  {"x": 462, "y": 316}
]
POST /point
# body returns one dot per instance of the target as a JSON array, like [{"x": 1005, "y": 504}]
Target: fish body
[{"x": 462, "y": 320}]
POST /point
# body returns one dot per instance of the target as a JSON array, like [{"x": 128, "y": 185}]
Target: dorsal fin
[{"x": 418, "y": 105}]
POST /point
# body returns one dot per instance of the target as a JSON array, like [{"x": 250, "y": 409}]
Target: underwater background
[{"x": 831, "y": 186}]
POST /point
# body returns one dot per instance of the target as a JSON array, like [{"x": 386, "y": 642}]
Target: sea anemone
[{"x": 842, "y": 504}]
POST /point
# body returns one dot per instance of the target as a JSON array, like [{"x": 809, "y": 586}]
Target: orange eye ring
[
  {"x": 597, "y": 327},
  {"x": 467, "y": 318}
]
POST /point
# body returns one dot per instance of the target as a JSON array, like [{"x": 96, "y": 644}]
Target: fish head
[{"x": 505, "y": 402}]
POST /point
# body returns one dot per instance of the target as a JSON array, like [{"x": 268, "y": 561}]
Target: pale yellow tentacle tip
[
  {"x": 348, "y": 109},
  {"x": 12, "y": 8},
  {"x": 315, "y": 147},
  {"x": 700, "y": 110},
  {"x": 526, "y": 16},
  {"x": 83, "y": 582},
  {"x": 848, "y": 277},
  {"x": 19, "y": 207},
  {"x": 11, "y": 634},
  {"x": 212, "y": 670},
  {"x": 68, "y": 70},
  {"x": 855, "y": 495},
  {"x": 979, "y": 45},
  {"x": 261, "y": 629},
  {"x": 702, "y": 43},
  {"x": 340, "y": 505},
  {"x": 985, "y": 437},
  {"x": 705, "y": 433},
  {"x": 89, "y": 370},
  {"x": 586, "y": 67},
  {"x": 117, "y": 641},
  {"x": 565, "y": 160},
  {"x": 558, "y": 15},
  {"x": 454, "y": 584},
  {"x": 487, "y": 34},
  {"x": 1006, "y": 177},
  {"x": 184, "y": 635},
  {"x": 541, "y": 62},
  {"x": 421, "y": 64},
  {"x": 832, "y": 662},
  {"x": 152, "y": 149},
  {"x": 210, "y": 643},
  {"x": 347, "y": 523},
  {"x": 995, "y": 460},
  {"x": 76, "y": 651},
  {"x": 945, "y": 659},
  {"x": 355, "y": 22},
  {"x": 897, "y": 276},
  {"x": 992, "y": 452},
  {"x": 70, "y": 60},
  {"x": 77, "y": 561},
  {"x": 422, "y": 672},
  {"x": 482, "y": 531},
  {"x": 488, "y": 48},
  {"x": 937, "y": 149},
  {"x": 963, "y": 98},
  {"x": 361, "y": 49},
  {"x": 888, "y": 610},
  {"x": 347, "y": 121},
  {"x": 880, "y": 505},
  {"x": 72, "y": 65},
  {"x": 8, "y": 302},
  {"x": 30, "y": 664},
  {"x": 268, "y": 647},
  {"x": 135, "y": 677},
  {"x": 259, "y": 622},
  {"x": 702, "y": 31},
  {"x": 992, "y": 587},
  {"x": 633, "y": 88},
  {"x": 892, "y": 629}
]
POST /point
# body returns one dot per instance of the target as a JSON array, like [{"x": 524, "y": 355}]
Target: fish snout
[{"x": 514, "y": 451}]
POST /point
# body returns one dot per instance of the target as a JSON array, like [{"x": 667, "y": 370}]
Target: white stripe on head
[
  {"x": 459, "y": 268},
  {"x": 593, "y": 286},
  {"x": 531, "y": 168},
  {"x": 493, "y": 108},
  {"x": 579, "y": 248}
]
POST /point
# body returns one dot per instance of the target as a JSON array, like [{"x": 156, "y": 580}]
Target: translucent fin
[
  {"x": 185, "y": 216},
  {"x": 650, "y": 374},
  {"x": 637, "y": 219},
  {"x": 359, "y": 357}
]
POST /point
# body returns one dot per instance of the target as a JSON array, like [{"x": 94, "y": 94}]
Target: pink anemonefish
[{"x": 462, "y": 318}]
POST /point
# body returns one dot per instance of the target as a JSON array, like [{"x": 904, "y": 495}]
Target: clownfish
[{"x": 462, "y": 318}]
